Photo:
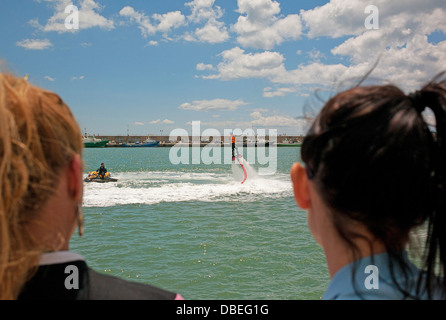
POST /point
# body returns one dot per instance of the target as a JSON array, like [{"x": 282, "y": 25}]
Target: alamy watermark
[
  {"x": 258, "y": 150},
  {"x": 72, "y": 20},
  {"x": 372, "y": 280},
  {"x": 372, "y": 20},
  {"x": 72, "y": 280}
]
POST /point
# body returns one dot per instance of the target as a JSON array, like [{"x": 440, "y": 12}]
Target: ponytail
[{"x": 433, "y": 96}]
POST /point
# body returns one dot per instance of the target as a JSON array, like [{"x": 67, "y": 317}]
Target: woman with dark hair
[{"x": 373, "y": 172}]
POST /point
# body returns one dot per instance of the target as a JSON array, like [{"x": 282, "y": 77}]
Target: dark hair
[{"x": 373, "y": 159}]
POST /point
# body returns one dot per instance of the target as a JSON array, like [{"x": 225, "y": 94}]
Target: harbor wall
[{"x": 165, "y": 139}]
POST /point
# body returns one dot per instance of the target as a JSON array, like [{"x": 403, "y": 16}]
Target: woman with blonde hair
[{"x": 41, "y": 189}]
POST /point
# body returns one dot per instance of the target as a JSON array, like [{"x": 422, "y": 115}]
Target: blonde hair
[{"x": 38, "y": 137}]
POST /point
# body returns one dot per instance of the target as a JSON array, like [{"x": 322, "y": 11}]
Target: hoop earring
[{"x": 80, "y": 219}]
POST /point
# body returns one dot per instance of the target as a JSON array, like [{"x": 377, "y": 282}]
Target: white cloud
[
  {"x": 213, "y": 31},
  {"x": 316, "y": 55},
  {"x": 34, "y": 44},
  {"x": 268, "y": 92},
  {"x": 340, "y": 18},
  {"x": 260, "y": 110},
  {"x": 269, "y": 65},
  {"x": 202, "y": 66},
  {"x": 203, "y": 10},
  {"x": 77, "y": 78},
  {"x": 317, "y": 73},
  {"x": 141, "y": 19},
  {"x": 169, "y": 21},
  {"x": 223, "y": 125},
  {"x": 261, "y": 119},
  {"x": 165, "y": 121},
  {"x": 237, "y": 64},
  {"x": 272, "y": 121},
  {"x": 165, "y": 22},
  {"x": 401, "y": 42},
  {"x": 261, "y": 27},
  {"x": 285, "y": 122},
  {"x": 336, "y": 18},
  {"x": 88, "y": 17},
  {"x": 138, "y": 123},
  {"x": 204, "y": 13},
  {"x": 213, "y": 105},
  {"x": 49, "y": 78},
  {"x": 407, "y": 58}
]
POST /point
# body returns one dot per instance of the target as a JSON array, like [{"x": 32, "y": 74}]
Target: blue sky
[{"x": 152, "y": 66}]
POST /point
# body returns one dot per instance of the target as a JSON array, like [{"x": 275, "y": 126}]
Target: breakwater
[{"x": 117, "y": 141}]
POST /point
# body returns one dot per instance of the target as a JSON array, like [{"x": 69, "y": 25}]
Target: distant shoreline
[
  {"x": 165, "y": 138},
  {"x": 280, "y": 141},
  {"x": 209, "y": 144}
]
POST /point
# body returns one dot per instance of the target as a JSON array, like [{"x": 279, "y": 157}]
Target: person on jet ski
[{"x": 102, "y": 171}]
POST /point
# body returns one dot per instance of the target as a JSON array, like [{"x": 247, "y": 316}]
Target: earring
[{"x": 80, "y": 219}]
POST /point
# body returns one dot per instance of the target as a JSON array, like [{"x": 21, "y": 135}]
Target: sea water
[{"x": 196, "y": 230}]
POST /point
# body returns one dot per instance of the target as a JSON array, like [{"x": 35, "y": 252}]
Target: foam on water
[{"x": 154, "y": 187}]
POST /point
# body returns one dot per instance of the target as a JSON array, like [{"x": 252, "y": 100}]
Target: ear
[
  {"x": 74, "y": 175},
  {"x": 300, "y": 186}
]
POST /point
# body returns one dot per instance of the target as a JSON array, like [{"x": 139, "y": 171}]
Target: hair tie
[{"x": 415, "y": 98}]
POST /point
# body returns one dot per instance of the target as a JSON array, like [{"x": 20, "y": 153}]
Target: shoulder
[
  {"x": 376, "y": 278},
  {"x": 107, "y": 287},
  {"x": 66, "y": 276},
  {"x": 59, "y": 280}
]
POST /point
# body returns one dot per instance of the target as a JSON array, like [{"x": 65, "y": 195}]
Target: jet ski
[{"x": 93, "y": 176}]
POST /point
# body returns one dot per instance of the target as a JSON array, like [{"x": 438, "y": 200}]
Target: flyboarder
[{"x": 233, "y": 146}]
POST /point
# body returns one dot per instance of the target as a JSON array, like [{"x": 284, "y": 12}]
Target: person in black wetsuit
[{"x": 102, "y": 171}]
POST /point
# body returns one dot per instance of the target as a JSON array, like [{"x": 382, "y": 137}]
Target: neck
[
  {"x": 53, "y": 225},
  {"x": 338, "y": 254},
  {"x": 49, "y": 239}
]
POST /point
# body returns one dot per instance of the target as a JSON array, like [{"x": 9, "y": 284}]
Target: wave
[{"x": 163, "y": 186}]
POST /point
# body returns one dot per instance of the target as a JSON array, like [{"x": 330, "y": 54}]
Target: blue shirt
[{"x": 373, "y": 280}]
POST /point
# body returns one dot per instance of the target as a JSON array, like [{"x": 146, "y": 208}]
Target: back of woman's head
[
  {"x": 38, "y": 137},
  {"x": 373, "y": 159}
]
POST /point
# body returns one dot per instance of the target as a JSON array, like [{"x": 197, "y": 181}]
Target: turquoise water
[{"x": 196, "y": 230}]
